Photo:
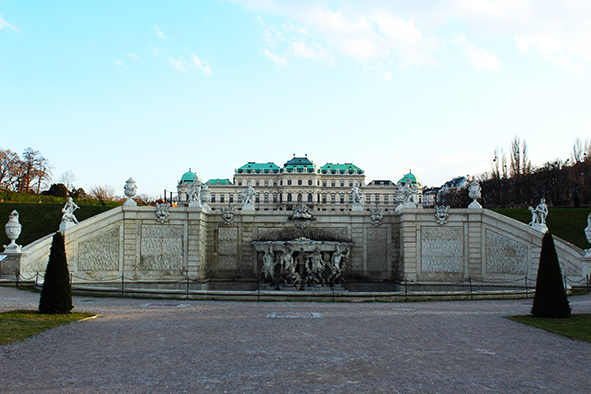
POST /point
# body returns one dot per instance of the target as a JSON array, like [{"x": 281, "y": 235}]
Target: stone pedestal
[
  {"x": 130, "y": 202},
  {"x": 586, "y": 263},
  {"x": 10, "y": 264},
  {"x": 248, "y": 207},
  {"x": 541, "y": 227},
  {"x": 357, "y": 207},
  {"x": 195, "y": 203},
  {"x": 66, "y": 225},
  {"x": 474, "y": 205}
]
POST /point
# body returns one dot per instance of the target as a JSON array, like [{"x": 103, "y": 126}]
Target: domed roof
[
  {"x": 188, "y": 177},
  {"x": 408, "y": 177}
]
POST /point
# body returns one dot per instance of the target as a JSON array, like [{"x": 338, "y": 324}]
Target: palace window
[
  {"x": 368, "y": 198},
  {"x": 333, "y": 199},
  {"x": 324, "y": 183},
  {"x": 288, "y": 197},
  {"x": 299, "y": 197},
  {"x": 239, "y": 183},
  {"x": 274, "y": 183},
  {"x": 333, "y": 184},
  {"x": 377, "y": 198},
  {"x": 324, "y": 198},
  {"x": 342, "y": 183},
  {"x": 386, "y": 200},
  {"x": 257, "y": 183},
  {"x": 266, "y": 198},
  {"x": 213, "y": 198},
  {"x": 257, "y": 199},
  {"x": 221, "y": 198},
  {"x": 289, "y": 181},
  {"x": 309, "y": 197},
  {"x": 342, "y": 199},
  {"x": 274, "y": 197},
  {"x": 299, "y": 182},
  {"x": 266, "y": 183},
  {"x": 231, "y": 198},
  {"x": 309, "y": 182},
  {"x": 350, "y": 184}
]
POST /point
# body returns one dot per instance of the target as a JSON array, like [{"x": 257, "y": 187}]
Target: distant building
[{"x": 300, "y": 181}]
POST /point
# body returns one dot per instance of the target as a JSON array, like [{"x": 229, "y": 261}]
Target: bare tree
[
  {"x": 102, "y": 192},
  {"x": 67, "y": 178},
  {"x": 577, "y": 153},
  {"x": 10, "y": 167},
  {"x": 35, "y": 171}
]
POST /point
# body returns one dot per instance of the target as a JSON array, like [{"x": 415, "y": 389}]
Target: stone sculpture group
[{"x": 302, "y": 264}]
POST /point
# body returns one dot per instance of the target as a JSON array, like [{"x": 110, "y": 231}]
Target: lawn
[
  {"x": 575, "y": 326},
  {"x": 566, "y": 223},
  {"x": 18, "y": 325}
]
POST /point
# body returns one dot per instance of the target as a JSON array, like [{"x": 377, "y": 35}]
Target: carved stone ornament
[
  {"x": 162, "y": 212},
  {"x": 441, "y": 214},
  {"x": 474, "y": 193},
  {"x": 358, "y": 201},
  {"x": 228, "y": 215},
  {"x": 377, "y": 215},
  {"x": 68, "y": 217},
  {"x": 302, "y": 215},
  {"x": 13, "y": 230},
  {"x": 130, "y": 190}
]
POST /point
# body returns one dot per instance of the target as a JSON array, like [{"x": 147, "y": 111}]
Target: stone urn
[
  {"x": 474, "y": 194},
  {"x": 13, "y": 230},
  {"x": 130, "y": 191}
]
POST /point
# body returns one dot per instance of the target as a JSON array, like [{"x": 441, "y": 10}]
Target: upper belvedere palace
[{"x": 301, "y": 181}]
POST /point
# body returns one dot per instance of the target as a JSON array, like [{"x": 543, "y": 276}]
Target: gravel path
[{"x": 157, "y": 346}]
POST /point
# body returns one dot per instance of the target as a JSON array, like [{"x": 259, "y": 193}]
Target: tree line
[{"x": 514, "y": 182}]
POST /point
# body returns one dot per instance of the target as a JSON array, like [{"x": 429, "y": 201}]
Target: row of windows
[
  {"x": 299, "y": 198},
  {"x": 300, "y": 183}
]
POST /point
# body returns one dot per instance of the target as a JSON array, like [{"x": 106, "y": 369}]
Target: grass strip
[
  {"x": 576, "y": 326},
  {"x": 20, "y": 324}
]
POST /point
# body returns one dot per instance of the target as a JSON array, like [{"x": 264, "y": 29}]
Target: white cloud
[
  {"x": 132, "y": 56},
  {"x": 480, "y": 58},
  {"x": 155, "y": 50},
  {"x": 407, "y": 32},
  {"x": 280, "y": 61},
  {"x": 312, "y": 51},
  {"x": 119, "y": 62},
  {"x": 159, "y": 32},
  {"x": 199, "y": 64},
  {"x": 3, "y": 24},
  {"x": 177, "y": 64}
]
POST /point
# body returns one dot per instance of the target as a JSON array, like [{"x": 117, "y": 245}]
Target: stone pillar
[
  {"x": 408, "y": 244},
  {"x": 474, "y": 247},
  {"x": 10, "y": 264},
  {"x": 131, "y": 240},
  {"x": 195, "y": 252}
]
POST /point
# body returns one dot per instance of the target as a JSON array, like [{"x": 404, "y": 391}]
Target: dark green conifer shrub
[
  {"x": 550, "y": 299},
  {"x": 56, "y": 296}
]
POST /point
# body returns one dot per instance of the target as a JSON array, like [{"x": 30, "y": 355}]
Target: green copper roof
[
  {"x": 336, "y": 168},
  {"x": 257, "y": 168},
  {"x": 189, "y": 177},
  {"x": 299, "y": 164},
  {"x": 218, "y": 181},
  {"x": 410, "y": 176}
]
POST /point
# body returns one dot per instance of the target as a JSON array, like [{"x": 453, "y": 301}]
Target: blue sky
[{"x": 148, "y": 89}]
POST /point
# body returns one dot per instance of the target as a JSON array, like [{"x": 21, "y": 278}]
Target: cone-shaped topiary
[
  {"x": 550, "y": 299},
  {"x": 56, "y": 296}
]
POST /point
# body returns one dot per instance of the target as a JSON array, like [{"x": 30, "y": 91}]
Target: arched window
[
  {"x": 309, "y": 182},
  {"x": 288, "y": 197},
  {"x": 309, "y": 197},
  {"x": 299, "y": 182},
  {"x": 289, "y": 181},
  {"x": 299, "y": 197}
]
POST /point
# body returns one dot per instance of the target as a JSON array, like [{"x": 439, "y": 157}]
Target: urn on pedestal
[
  {"x": 474, "y": 194},
  {"x": 130, "y": 191},
  {"x": 13, "y": 230}
]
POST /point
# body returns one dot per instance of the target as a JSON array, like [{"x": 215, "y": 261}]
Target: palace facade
[{"x": 300, "y": 181}]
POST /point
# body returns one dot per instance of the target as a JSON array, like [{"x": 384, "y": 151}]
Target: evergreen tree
[
  {"x": 56, "y": 296},
  {"x": 550, "y": 299}
]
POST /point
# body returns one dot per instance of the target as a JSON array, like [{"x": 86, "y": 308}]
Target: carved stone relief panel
[
  {"x": 100, "y": 253},
  {"x": 442, "y": 249},
  {"x": 377, "y": 249},
  {"x": 505, "y": 255},
  {"x": 228, "y": 248},
  {"x": 161, "y": 248}
]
